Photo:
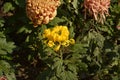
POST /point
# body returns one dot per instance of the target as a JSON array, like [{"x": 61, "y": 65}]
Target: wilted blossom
[
  {"x": 57, "y": 36},
  {"x": 99, "y": 9},
  {"x": 41, "y": 11}
]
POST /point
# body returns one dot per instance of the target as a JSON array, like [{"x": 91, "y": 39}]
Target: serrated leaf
[
  {"x": 56, "y": 20},
  {"x": 24, "y": 29},
  {"x": 67, "y": 75},
  {"x": 2, "y": 52},
  {"x": 6, "y": 47},
  {"x": 75, "y": 5},
  {"x": 5, "y": 67},
  {"x": 79, "y": 48},
  {"x": 54, "y": 78},
  {"x": 73, "y": 68},
  {"x": 83, "y": 66},
  {"x": 58, "y": 66},
  {"x": 97, "y": 38}
]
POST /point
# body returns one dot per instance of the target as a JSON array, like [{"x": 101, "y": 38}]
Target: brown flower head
[
  {"x": 41, "y": 11},
  {"x": 97, "y": 8}
]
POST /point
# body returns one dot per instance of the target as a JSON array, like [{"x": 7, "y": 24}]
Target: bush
[{"x": 28, "y": 53}]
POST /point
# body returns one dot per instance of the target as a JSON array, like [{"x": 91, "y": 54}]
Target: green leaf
[
  {"x": 79, "y": 48},
  {"x": 2, "y": 52},
  {"x": 115, "y": 78},
  {"x": 24, "y": 29},
  {"x": 68, "y": 75},
  {"x": 96, "y": 52},
  {"x": 21, "y": 3},
  {"x": 7, "y": 70},
  {"x": 53, "y": 78},
  {"x": 75, "y": 5},
  {"x": 10, "y": 76},
  {"x": 58, "y": 66},
  {"x": 7, "y": 7},
  {"x": 6, "y": 47},
  {"x": 96, "y": 37},
  {"x": 2, "y": 22},
  {"x": 2, "y": 35},
  {"x": 56, "y": 20},
  {"x": 44, "y": 75},
  {"x": 72, "y": 33},
  {"x": 73, "y": 68}
]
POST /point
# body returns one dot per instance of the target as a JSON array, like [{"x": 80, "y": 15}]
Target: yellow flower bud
[{"x": 72, "y": 41}]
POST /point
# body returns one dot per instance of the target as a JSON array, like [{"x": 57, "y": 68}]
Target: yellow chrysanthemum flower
[
  {"x": 57, "y": 36},
  {"x": 60, "y": 33}
]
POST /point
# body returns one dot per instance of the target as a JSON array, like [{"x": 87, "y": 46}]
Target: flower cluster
[
  {"x": 57, "y": 37},
  {"x": 41, "y": 11},
  {"x": 97, "y": 8}
]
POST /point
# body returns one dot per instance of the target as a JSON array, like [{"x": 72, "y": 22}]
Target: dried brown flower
[
  {"x": 97, "y": 8},
  {"x": 41, "y": 11}
]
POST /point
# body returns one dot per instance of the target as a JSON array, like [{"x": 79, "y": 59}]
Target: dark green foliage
[
  {"x": 94, "y": 56},
  {"x": 6, "y": 70}
]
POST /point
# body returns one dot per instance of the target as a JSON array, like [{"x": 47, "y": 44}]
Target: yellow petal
[
  {"x": 66, "y": 43},
  {"x": 51, "y": 43},
  {"x": 57, "y": 47}
]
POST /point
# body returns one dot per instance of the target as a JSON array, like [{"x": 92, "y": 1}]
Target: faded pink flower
[
  {"x": 97, "y": 8},
  {"x": 3, "y": 78},
  {"x": 118, "y": 27}
]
